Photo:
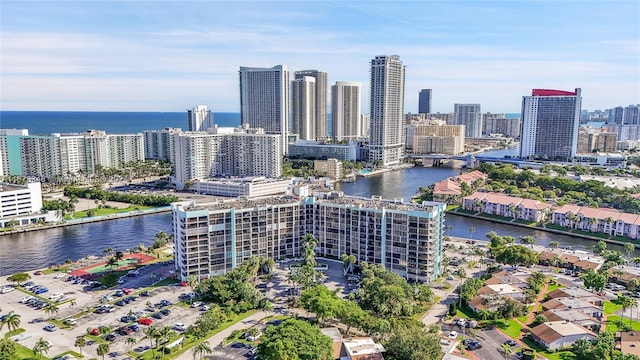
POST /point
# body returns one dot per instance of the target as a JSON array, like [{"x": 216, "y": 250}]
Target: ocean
[{"x": 48, "y": 122}]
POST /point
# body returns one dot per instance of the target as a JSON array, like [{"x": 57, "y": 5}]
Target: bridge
[{"x": 471, "y": 160}]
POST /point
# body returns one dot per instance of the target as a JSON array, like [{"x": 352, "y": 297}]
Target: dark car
[
  {"x": 134, "y": 327},
  {"x": 166, "y": 312},
  {"x": 110, "y": 337},
  {"x": 510, "y": 343},
  {"x": 157, "y": 315},
  {"x": 120, "y": 303},
  {"x": 473, "y": 345},
  {"x": 145, "y": 293}
]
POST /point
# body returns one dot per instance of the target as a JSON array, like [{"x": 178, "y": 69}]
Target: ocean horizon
[{"x": 113, "y": 122}]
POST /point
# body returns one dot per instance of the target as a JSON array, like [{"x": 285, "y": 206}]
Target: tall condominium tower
[
  {"x": 264, "y": 100},
  {"x": 320, "y": 99},
  {"x": 424, "y": 101},
  {"x": 470, "y": 116},
  {"x": 386, "y": 109},
  {"x": 200, "y": 118},
  {"x": 345, "y": 110},
  {"x": 303, "y": 107},
  {"x": 550, "y": 121}
]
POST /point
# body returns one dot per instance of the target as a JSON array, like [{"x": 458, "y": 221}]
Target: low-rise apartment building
[{"x": 508, "y": 206}]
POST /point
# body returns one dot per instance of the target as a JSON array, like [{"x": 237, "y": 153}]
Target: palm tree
[
  {"x": 554, "y": 244},
  {"x": 164, "y": 333},
  {"x": 347, "y": 262},
  {"x": 12, "y": 320},
  {"x": 112, "y": 263},
  {"x": 119, "y": 255},
  {"x": 42, "y": 346},
  {"x": 103, "y": 349},
  {"x": 151, "y": 333},
  {"x": 108, "y": 250},
  {"x": 627, "y": 302},
  {"x": 309, "y": 243},
  {"x": 80, "y": 343},
  {"x": 629, "y": 248},
  {"x": 471, "y": 231},
  {"x": 592, "y": 221},
  {"x": 506, "y": 350},
  {"x": 8, "y": 348},
  {"x": 51, "y": 309},
  {"x": 130, "y": 342},
  {"x": 201, "y": 349},
  {"x": 192, "y": 280}
]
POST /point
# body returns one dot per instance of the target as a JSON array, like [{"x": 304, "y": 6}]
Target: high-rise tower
[
  {"x": 424, "y": 101},
  {"x": 470, "y": 116},
  {"x": 386, "y": 109},
  {"x": 345, "y": 110},
  {"x": 303, "y": 107},
  {"x": 200, "y": 118},
  {"x": 550, "y": 121},
  {"x": 320, "y": 99},
  {"x": 264, "y": 99}
]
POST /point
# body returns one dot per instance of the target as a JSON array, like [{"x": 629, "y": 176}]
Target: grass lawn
[
  {"x": 491, "y": 216},
  {"x": 562, "y": 355},
  {"x": 589, "y": 233},
  {"x": 461, "y": 210},
  {"x": 452, "y": 207},
  {"x": 523, "y": 318},
  {"x": 109, "y": 211},
  {"x": 611, "y": 308},
  {"x": 550, "y": 288},
  {"x": 111, "y": 279},
  {"x": 557, "y": 227},
  {"x": 525, "y": 222},
  {"x": 612, "y": 327}
]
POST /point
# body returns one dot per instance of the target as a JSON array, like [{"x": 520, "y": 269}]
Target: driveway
[{"x": 492, "y": 345}]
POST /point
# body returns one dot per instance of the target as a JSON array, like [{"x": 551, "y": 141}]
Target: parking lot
[{"x": 85, "y": 299}]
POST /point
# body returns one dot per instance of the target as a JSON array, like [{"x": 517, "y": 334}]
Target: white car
[
  {"x": 205, "y": 308},
  {"x": 59, "y": 275},
  {"x": 6, "y": 289},
  {"x": 56, "y": 296},
  {"x": 196, "y": 304},
  {"x": 453, "y": 335},
  {"x": 179, "y": 327},
  {"x": 25, "y": 299}
]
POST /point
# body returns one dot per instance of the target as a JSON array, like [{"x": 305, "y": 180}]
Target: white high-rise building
[
  {"x": 158, "y": 144},
  {"x": 303, "y": 107},
  {"x": 264, "y": 100},
  {"x": 345, "y": 110},
  {"x": 200, "y": 118},
  {"x": 386, "y": 109},
  {"x": 320, "y": 100},
  {"x": 470, "y": 116},
  {"x": 246, "y": 152},
  {"x": 550, "y": 122}
]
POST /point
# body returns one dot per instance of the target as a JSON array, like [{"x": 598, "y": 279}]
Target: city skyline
[{"x": 157, "y": 56}]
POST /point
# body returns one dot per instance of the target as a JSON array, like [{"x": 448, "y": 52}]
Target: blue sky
[{"x": 171, "y": 55}]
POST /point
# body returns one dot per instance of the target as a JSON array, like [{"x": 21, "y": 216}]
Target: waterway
[{"x": 38, "y": 249}]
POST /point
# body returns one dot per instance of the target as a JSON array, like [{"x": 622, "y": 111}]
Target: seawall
[{"x": 89, "y": 220}]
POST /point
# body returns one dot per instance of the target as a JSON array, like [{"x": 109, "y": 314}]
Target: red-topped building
[{"x": 549, "y": 127}]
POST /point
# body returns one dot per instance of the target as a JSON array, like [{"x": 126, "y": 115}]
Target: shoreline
[
  {"x": 88, "y": 220},
  {"x": 554, "y": 231}
]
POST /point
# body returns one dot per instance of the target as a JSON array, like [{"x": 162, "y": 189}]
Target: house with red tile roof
[
  {"x": 449, "y": 190},
  {"x": 603, "y": 220}
]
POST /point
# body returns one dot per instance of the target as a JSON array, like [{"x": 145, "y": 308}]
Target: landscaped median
[{"x": 189, "y": 340}]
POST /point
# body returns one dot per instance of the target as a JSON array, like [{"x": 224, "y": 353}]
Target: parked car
[
  {"x": 71, "y": 321},
  {"x": 180, "y": 327},
  {"x": 165, "y": 312},
  {"x": 145, "y": 321},
  {"x": 95, "y": 332},
  {"x": 510, "y": 343},
  {"x": 134, "y": 327},
  {"x": 110, "y": 337},
  {"x": 50, "y": 328},
  {"x": 453, "y": 335}
]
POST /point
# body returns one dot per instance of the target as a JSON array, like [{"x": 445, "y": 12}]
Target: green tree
[
  {"x": 201, "y": 349},
  {"x": 12, "y": 319},
  {"x": 594, "y": 280},
  {"x": 527, "y": 240},
  {"x": 600, "y": 247},
  {"x": 629, "y": 248},
  {"x": 80, "y": 343},
  {"x": 413, "y": 344},
  {"x": 19, "y": 278},
  {"x": 112, "y": 263},
  {"x": 41, "y": 346},
  {"x": 321, "y": 301},
  {"x": 554, "y": 244},
  {"x": 627, "y": 302},
  {"x": 351, "y": 314},
  {"x": 506, "y": 350},
  {"x": 348, "y": 261},
  {"x": 51, "y": 309},
  {"x": 517, "y": 255},
  {"x": 295, "y": 339},
  {"x": 103, "y": 349},
  {"x": 7, "y": 349},
  {"x": 538, "y": 319}
]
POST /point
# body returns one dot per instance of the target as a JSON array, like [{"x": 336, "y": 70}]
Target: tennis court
[{"x": 128, "y": 262}]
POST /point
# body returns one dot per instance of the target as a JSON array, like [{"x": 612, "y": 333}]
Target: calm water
[{"x": 38, "y": 249}]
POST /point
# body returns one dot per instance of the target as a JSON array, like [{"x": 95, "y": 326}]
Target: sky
[{"x": 144, "y": 55}]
